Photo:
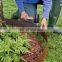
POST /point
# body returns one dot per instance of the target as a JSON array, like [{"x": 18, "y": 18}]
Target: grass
[
  {"x": 54, "y": 40},
  {"x": 55, "y": 48}
]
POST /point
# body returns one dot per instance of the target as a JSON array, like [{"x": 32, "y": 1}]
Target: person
[{"x": 28, "y": 8}]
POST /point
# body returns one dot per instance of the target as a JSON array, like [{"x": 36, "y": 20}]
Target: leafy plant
[{"x": 12, "y": 45}]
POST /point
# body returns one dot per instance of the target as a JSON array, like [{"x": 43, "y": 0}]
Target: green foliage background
[{"x": 54, "y": 40}]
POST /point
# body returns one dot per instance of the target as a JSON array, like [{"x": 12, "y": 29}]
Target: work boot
[{"x": 57, "y": 30}]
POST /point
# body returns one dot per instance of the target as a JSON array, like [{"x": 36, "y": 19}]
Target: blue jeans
[{"x": 30, "y": 9}]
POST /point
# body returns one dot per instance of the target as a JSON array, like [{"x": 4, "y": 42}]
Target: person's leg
[
  {"x": 54, "y": 14},
  {"x": 29, "y": 8}
]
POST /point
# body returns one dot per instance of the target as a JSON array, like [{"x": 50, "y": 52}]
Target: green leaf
[
  {"x": 23, "y": 49},
  {"x": 16, "y": 58},
  {"x": 7, "y": 59}
]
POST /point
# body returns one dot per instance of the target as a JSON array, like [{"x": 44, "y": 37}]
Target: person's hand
[
  {"x": 43, "y": 24},
  {"x": 25, "y": 16}
]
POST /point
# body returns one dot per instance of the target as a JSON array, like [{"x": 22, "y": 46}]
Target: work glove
[
  {"x": 25, "y": 16},
  {"x": 43, "y": 24}
]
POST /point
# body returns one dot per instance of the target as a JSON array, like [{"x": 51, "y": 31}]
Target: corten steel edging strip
[{"x": 19, "y": 23}]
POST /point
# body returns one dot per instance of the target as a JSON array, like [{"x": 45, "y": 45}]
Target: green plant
[{"x": 12, "y": 45}]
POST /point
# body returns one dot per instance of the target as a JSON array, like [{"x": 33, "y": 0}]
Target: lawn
[{"x": 54, "y": 40}]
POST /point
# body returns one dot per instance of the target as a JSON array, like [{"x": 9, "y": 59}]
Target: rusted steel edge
[{"x": 12, "y": 22}]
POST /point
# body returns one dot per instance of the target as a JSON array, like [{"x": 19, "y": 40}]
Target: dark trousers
[{"x": 54, "y": 13}]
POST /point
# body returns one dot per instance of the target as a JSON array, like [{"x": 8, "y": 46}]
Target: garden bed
[{"x": 36, "y": 53}]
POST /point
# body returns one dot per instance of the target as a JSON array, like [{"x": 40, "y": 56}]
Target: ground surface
[{"x": 54, "y": 40}]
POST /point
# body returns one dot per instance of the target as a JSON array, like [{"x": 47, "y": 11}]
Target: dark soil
[{"x": 36, "y": 53}]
